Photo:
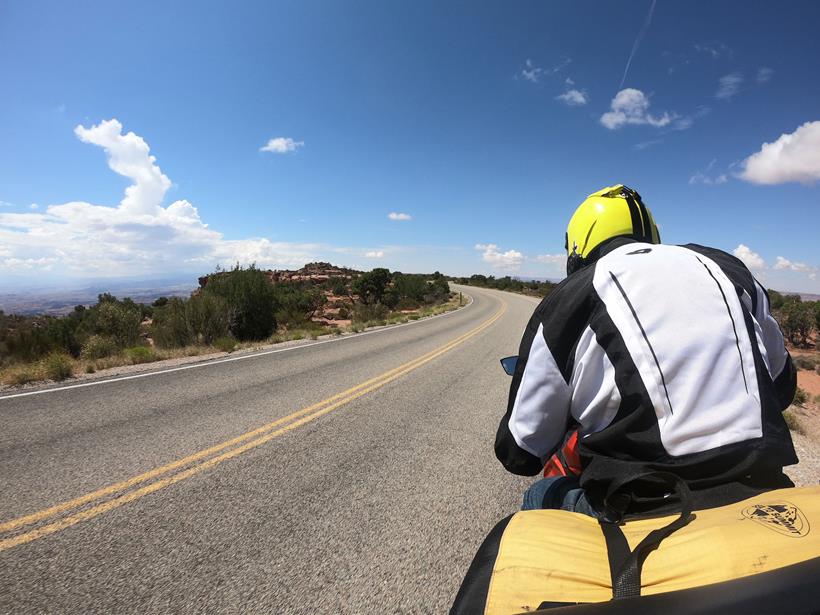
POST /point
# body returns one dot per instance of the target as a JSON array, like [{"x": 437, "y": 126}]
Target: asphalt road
[{"x": 149, "y": 495}]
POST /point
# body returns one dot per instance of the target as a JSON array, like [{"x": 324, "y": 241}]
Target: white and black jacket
[{"x": 665, "y": 358}]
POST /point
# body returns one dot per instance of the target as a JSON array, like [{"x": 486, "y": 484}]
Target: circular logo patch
[{"x": 782, "y": 517}]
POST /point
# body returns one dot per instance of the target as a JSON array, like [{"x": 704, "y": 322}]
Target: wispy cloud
[
  {"x": 534, "y": 73},
  {"x": 729, "y": 85},
  {"x": 794, "y": 157},
  {"x": 281, "y": 145},
  {"x": 647, "y": 144},
  {"x": 399, "y": 216},
  {"x": 764, "y": 74},
  {"x": 784, "y": 263},
  {"x": 374, "y": 254},
  {"x": 511, "y": 259},
  {"x": 631, "y": 106},
  {"x": 6, "y": 204},
  {"x": 715, "y": 50},
  {"x": 647, "y": 22},
  {"x": 706, "y": 177}
]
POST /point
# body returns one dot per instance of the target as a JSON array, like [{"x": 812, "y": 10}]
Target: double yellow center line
[{"x": 52, "y": 519}]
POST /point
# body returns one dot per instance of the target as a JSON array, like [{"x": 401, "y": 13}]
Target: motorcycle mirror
[{"x": 508, "y": 363}]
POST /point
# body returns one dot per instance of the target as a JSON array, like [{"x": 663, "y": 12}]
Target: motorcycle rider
[{"x": 663, "y": 358}]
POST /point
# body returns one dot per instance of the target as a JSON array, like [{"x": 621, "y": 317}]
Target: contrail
[{"x": 638, "y": 42}]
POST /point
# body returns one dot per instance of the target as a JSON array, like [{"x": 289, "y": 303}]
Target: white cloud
[
  {"x": 281, "y": 145},
  {"x": 631, "y": 106},
  {"x": 399, "y": 217},
  {"x": 139, "y": 236},
  {"x": 751, "y": 259},
  {"x": 511, "y": 259},
  {"x": 794, "y": 157},
  {"x": 374, "y": 254},
  {"x": 729, "y": 85},
  {"x": 6, "y": 204},
  {"x": 784, "y": 263},
  {"x": 34, "y": 206},
  {"x": 764, "y": 74},
  {"x": 573, "y": 98}
]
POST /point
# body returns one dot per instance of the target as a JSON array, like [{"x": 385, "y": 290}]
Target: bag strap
[{"x": 624, "y": 565}]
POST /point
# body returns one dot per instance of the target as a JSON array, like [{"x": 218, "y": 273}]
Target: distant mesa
[{"x": 312, "y": 272}]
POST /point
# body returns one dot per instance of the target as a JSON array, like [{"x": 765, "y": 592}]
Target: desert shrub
[
  {"x": 98, "y": 346},
  {"x": 19, "y": 375},
  {"x": 89, "y": 368},
  {"x": 344, "y": 313},
  {"x": 369, "y": 312},
  {"x": 804, "y": 362},
  {"x": 119, "y": 321},
  {"x": 339, "y": 288},
  {"x": 170, "y": 328},
  {"x": 140, "y": 354},
  {"x": 297, "y": 305},
  {"x": 208, "y": 317},
  {"x": 250, "y": 296},
  {"x": 800, "y": 397},
  {"x": 225, "y": 343},
  {"x": 58, "y": 366},
  {"x": 793, "y": 422}
]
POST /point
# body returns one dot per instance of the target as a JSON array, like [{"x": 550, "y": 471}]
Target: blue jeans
[{"x": 558, "y": 492}]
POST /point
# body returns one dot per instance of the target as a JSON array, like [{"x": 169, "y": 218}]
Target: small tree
[
  {"x": 796, "y": 319},
  {"x": 372, "y": 285}
]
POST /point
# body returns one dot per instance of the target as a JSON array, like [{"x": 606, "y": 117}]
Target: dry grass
[{"x": 794, "y": 421}]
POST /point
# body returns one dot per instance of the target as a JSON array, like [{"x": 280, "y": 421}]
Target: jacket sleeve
[
  {"x": 538, "y": 407},
  {"x": 781, "y": 368}
]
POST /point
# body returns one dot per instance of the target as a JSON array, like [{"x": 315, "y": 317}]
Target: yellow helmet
[{"x": 612, "y": 212}]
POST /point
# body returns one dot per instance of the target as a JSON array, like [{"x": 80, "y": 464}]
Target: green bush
[
  {"x": 208, "y": 317},
  {"x": 170, "y": 328},
  {"x": 140, "y": 354},
  {"x": 98, "y": 346},
  {"x": 225, "y": 343},
  {"x": 250, "y": 296},
  {"x": 89, "y": 368},
  {"x": 119, "y": 321},
  {"x": 297, "y": 305},
  {"x": 58, "y": 366}
]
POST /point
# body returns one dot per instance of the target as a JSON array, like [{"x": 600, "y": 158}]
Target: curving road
[{"x": 353, "y": 476}]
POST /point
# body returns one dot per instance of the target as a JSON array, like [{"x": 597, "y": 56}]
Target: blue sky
[{"x": 283, "y": 132}]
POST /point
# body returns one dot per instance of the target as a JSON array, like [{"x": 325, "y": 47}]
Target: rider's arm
[
  {"x": 780, "y": 363},
  {"x": 538, "y": 407}
]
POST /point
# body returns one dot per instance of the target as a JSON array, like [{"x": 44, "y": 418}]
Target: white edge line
[{"x": 207, "y": 363}]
